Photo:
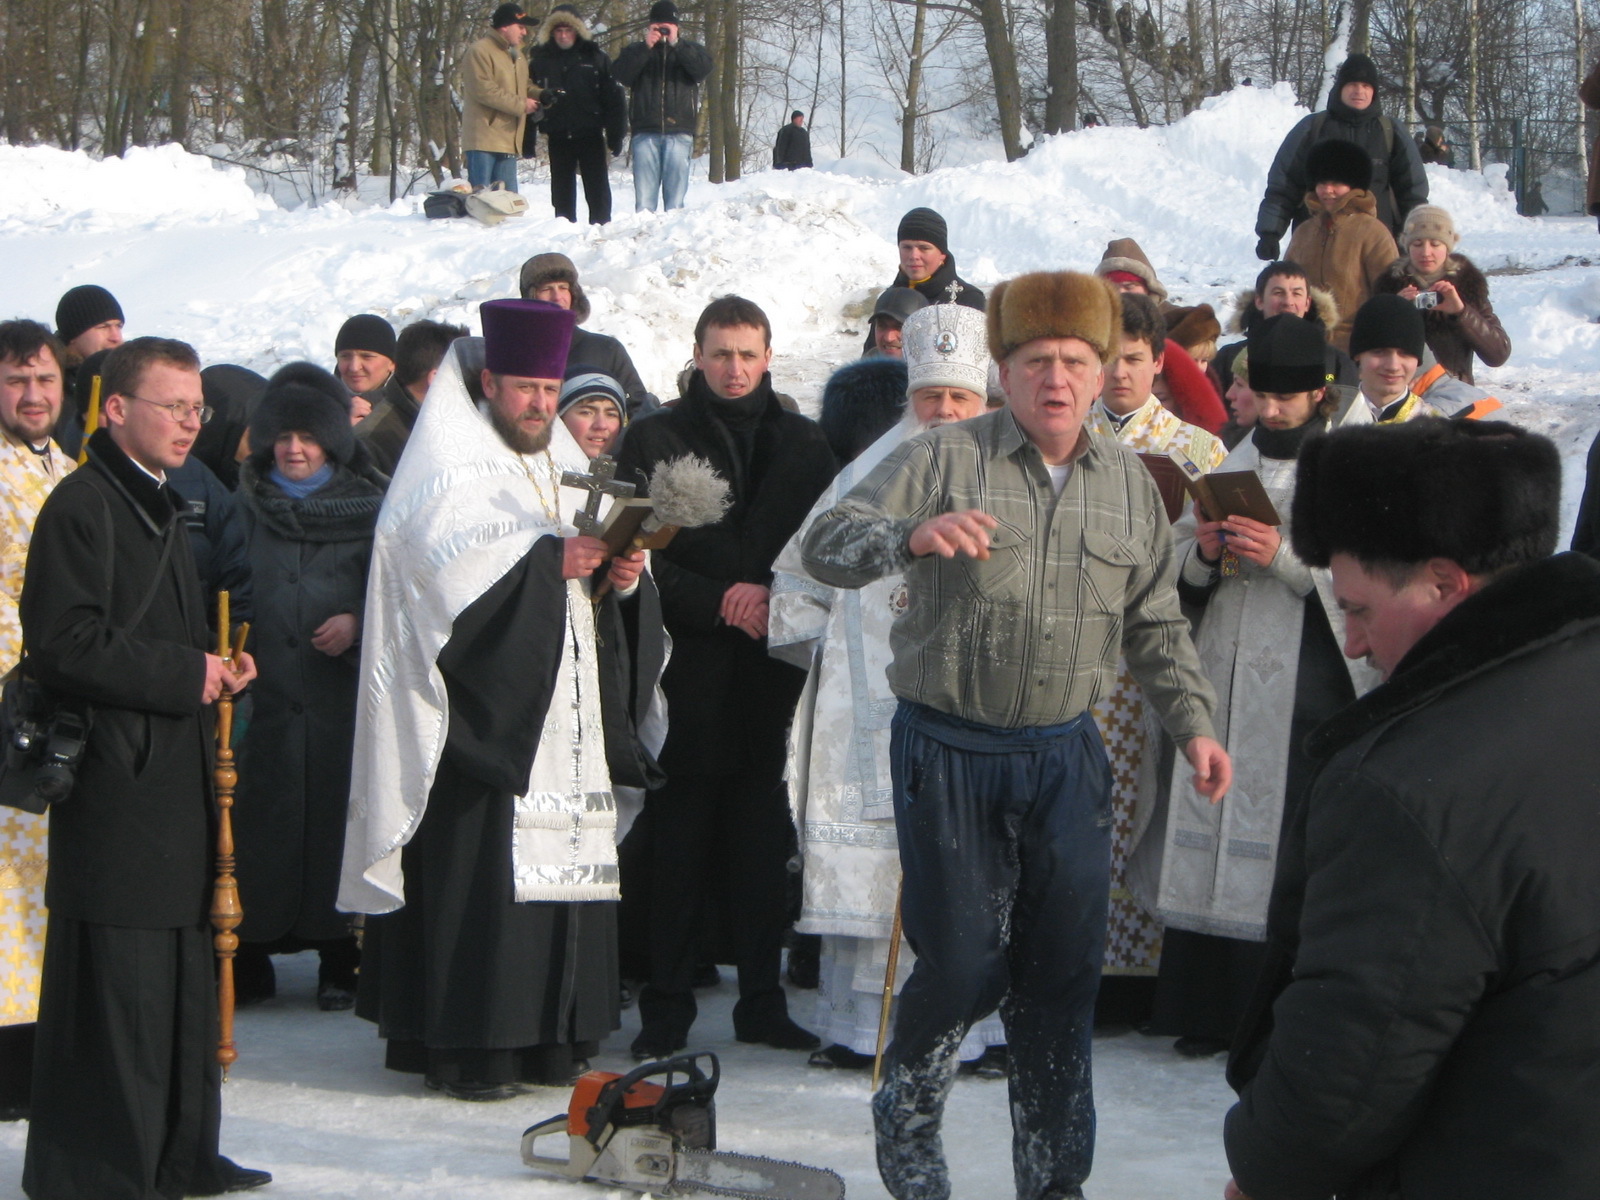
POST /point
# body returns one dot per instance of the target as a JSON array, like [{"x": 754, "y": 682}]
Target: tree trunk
[
  {"x": 908, "y": 115},
  {"x": 1411, "y": 66},
  {"x": 732, "y": 135},
  {"x": 1003, "y": 65},
  {"x": 1578, "y": 63},
  {"x": 1125, "y": 68},
  {"x": 715, "y": 15},
  {"x": 1061, "y": 67},
  {"x": 181, "y": 101},
  {"x": 844, "y": 79},
  {"x": 1473, "y": 133}
]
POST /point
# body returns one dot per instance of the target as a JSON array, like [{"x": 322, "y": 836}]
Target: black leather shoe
[
  {"x": 779, "y": 1032},
  {"x": 234, "y": 1178},
  {"x": 993, "y": 1063},
  {"x": 654, "y": 1044},
  {"x": 479, "y": 1093},
  {"x": 333, "y": 998},
  {"x": 1200, "y": 1047},
  {"x": 840, "y": 1057}
]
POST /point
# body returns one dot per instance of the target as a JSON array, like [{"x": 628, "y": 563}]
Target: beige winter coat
[
  {"x": 1343, "y": 248},
  {"x": 494, "y": 80}
]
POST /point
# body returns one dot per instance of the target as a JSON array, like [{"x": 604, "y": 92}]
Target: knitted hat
[
  {"x": 945, "y": 345},
  {"x": 368, "y": 332},
  {"x": 528, "y": 338},
  {"x": 303, "y": 398},
  {"x": 510, "y": 14},
  {"x": 924, "y": 225},
  {"x": 664, "y": 12},
  {"x": 898, "y": 303},
  {"x": 553, "y": 268},
  {"x": 1124, "y": 255},
  {"x": 1358, "y": 68},
  {"x": 82, "y": 308},
  {"x": 1055, "y": 304},
  {"x": 1428, "y": 222},
  {"x": 1288, "y": 355},
  {"x": 1339, "y": 161},
  {"x": 588, "y": 383},
  {"x": 1388, "y": 322},
  {"x": 1483, "y": 494}
]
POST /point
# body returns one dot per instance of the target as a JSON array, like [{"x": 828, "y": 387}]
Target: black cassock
[{"x": 467, "y": 984}]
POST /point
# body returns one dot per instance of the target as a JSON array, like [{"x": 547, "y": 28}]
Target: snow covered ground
[
  {"x": 309, "y": 1100},
  {"x": 192, "y": 252}
]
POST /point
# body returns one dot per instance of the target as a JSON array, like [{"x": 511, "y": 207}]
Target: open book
[{"x": 1223, "y": 494}]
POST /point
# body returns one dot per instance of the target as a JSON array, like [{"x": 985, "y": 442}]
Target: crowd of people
[{"x": 974, "y": 654}]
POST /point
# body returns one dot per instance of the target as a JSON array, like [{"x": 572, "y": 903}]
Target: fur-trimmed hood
[
  {"x": 564, "y": 15},
  {"x": 1356, "y": 200},
  {"x": 1324, "y": 308}
]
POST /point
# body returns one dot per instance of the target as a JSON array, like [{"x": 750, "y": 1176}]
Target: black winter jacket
[
  {"x": 591, "y": 103},
  {"x": 1398, "y": 179},
  {"x": 133, "y": 844},
  {"x": 731, "y": 703},
  {"x": 665, "y": 82},
  {"x": 792, "y": 150},
  {"x": 936, "y": 289},
  {"x": 218, "y": 537},
  {"x": 1434, "y": 931}
]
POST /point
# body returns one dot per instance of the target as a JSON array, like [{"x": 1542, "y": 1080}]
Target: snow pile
[{"x": 149, "y": 187}]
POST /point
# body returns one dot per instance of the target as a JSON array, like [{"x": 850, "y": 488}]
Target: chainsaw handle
[
  {"x": 697, "y": 1082},
  {"x": 530, "y": 1139}
]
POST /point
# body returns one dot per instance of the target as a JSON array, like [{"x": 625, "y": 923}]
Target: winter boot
[{"x": 906, "y": 1116}]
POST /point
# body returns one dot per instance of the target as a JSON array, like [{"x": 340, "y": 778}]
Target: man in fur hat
[
  {"x": 585, "y": 116},
  {"x": 1353, "y": 115},
  {"x": 1344, "y": 248},
  {"x": 1426, "y": 1024},
  {"x": 1034, "y": 551},
  {"x": 840, "y": 738},
  {"x": 553, "y": 278}
]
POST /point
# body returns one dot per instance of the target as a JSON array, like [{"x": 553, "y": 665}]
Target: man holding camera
[
  {"x": 582, "y": 113},
  {"x": 664, "y": 72},
  {"x": 126, "y": 1097}
]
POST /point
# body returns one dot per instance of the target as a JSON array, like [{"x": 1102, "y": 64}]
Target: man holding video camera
[
  {"x": 126, "y": 1091},
  {"x": 664, "y": 73},
  {"x": 582, "y": 113}
]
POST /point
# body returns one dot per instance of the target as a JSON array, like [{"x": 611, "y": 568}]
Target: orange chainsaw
[{"x": 655, "y": 1130}]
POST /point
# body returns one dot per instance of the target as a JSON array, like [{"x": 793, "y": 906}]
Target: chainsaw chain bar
[{"x": 807, "y": 1189}]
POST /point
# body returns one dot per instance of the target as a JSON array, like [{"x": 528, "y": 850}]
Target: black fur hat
[
  {"x": 1484, "y": 494},
  {"x": 304, "y": 398},
  {"x": 860, "y": 401},
  {"x": 1339, "y": 161},
  {"x": 1288, "y": 354},
  {"x": 1388, "y": 322}
]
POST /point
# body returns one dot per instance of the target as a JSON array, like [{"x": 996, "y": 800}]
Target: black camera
[
  {"x": 63, "y": 751},
  {"x": 43, "y": 751},
  {"x": 548, "y": 96}
]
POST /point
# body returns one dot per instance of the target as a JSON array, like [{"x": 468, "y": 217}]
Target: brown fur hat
[
  {"x": 1055, "y": 304},
  {"x": 1195, "y": 328}
]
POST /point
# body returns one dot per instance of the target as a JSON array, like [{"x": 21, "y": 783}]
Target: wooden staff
[
  {"x": 888, "y": 983},
  {"x": 225, "y": 911}
]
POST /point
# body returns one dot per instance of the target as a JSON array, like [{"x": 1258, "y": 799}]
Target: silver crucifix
[{"x": 600, "y": 481}]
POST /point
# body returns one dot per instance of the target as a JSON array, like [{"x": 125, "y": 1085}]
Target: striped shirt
[{"x": 1030, "y": 635}]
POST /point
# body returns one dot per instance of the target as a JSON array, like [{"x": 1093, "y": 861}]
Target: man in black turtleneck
[
  {"x": 1398, "y": 179},
  {"x": 720, "y": 826}
]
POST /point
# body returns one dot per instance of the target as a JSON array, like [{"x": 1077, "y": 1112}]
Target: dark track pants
[
  {"x": 1005, "y": 842},
  {"x": 570, "y": 157}
]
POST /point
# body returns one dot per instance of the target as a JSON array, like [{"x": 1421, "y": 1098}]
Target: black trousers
[
  {"x": 710, "y": 834},
  {"x": 126, "y": 1089},
  {"x": 570, "y": 156}
]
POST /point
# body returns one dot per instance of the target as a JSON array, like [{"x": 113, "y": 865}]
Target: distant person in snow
[
  {"x": 364, "y": 351},
  {"x": 895, "y": 306},
  {"x": 495, "y": 102},
  {"x": 584, "y": 114},
  {"x": 664, "y": 72},
  {"x": 1344, "y": 247},
  {"x": 1397, "y": 179},
  {"x": 1433, "y": 148},
  {"x": 926, "y": 264},
  {"x": 793, "y": 148}
]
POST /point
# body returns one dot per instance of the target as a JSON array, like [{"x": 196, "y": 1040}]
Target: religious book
[
  {"x": 1169, "y": 482},
  {"x": 1223, "y": 494}
]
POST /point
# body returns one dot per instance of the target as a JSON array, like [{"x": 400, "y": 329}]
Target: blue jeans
[
  {"x": 485, "y": 167},
  {"x": 1005, "y": 842},
  {"x": 660, "y": 164}
]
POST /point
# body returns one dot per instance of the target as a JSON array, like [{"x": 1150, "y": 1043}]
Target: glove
[
  {"x": 1267, "y": 249},
  {"x": 614, "y": 145}
]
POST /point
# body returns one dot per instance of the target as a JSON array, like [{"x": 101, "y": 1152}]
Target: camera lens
[{"x": 53, "y": 782}]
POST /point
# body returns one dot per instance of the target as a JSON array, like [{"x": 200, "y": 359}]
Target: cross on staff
[{"x": 600, "y": 481}]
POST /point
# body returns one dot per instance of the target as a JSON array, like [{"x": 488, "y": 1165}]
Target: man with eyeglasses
[{"x": 126, "y": 1097}]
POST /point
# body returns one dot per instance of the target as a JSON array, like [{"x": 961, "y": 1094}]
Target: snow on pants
[{"x": 1005, "y": 842}]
